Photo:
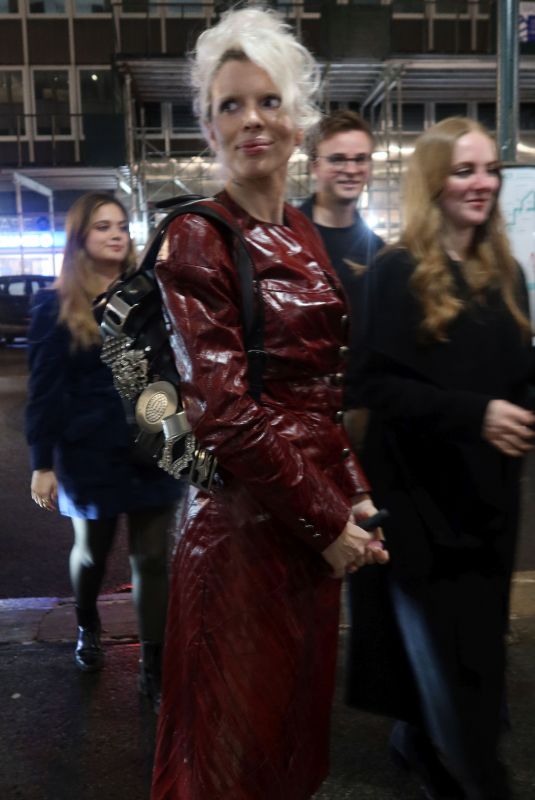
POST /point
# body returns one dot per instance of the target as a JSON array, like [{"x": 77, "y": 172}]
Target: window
[
  {"x": 182, "y": 8},
  {"x": 486, "y": 114},
  {"x": 148, "y": 8},
  {"x": 15, "y": 288},
  {"x": 97, "y": 91},
  {"x": 52, "y": 102},
  {"x": 451, "y": 6},
  {"x": 46, "y": 6},
  {"x": 92, "y": 6},
  {"x": 526, "y": 115},
  {"x": 412, "y": 116},
  {"x": 11, "y": 103},
  {"x": 444, "y": 110},
  {"x": 135, "y": 6},
  {"x": 38, "y": 283},
  {"x": 408, "y": 7},
  {"x": 9, "y": 7},
  {"x": 150, "y": 117},
  {"x": 183, "y": 118}
]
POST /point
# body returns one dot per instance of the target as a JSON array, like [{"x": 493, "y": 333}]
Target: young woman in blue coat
[{"x": 79, "y": 438}]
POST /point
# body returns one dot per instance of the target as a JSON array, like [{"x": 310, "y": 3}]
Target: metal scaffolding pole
[
  {"x": 20, "y": 220},
  {"x": 20, "y": 180},
  {"x": 507, "y": 76},
  {"x": 130, "y": 147},
  {"x": 52, "y": 224}
]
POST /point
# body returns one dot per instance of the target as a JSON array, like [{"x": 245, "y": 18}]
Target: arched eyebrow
[
  {"x": 461, "y": 164},
  {"x": 357, "y": 153}
]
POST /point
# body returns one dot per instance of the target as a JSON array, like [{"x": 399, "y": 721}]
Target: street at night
[{"x": 65, "y": 734}]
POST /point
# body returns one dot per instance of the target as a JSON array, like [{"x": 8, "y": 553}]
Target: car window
[
  {"x": 41, "y": 282},
  {"x": 16, "y": 288}
]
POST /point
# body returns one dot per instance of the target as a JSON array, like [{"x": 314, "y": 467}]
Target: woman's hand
[
  {"x": 44, "y": 488},
  {"x": 361, "y": 510},
  {"x": 354, "y": 548},
  {"x": 508, "y": 428}
]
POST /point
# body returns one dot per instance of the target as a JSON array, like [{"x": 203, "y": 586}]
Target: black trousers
[{"x": 148, "y": 542}]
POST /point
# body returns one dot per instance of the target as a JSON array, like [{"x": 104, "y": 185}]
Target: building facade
[{"x": 94, "y": 95}]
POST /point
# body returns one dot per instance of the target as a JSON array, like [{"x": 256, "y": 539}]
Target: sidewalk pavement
[
  {"x": 65, "y": 735},
  {"x": 51, "y": 619}
]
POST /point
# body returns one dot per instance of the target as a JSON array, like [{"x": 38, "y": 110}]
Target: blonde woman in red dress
[{"x": 253, "y": 616}]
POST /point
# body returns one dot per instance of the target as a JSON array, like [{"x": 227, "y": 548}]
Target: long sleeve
[
  {"x": 402, "y": 378},
  {"x": 48, "y": 344},
  {"x": 202, "y": 297},
  {"x": 391, "y": 391}
]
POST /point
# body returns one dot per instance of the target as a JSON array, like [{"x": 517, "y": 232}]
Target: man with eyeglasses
[
  {"x": 341, "y": 162},
  {"x": 340, "y": 155}
]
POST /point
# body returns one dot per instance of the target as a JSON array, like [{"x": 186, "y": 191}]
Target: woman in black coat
[
  {"x": 445, "y": 373},
  {"x": 79, "y": 437}
]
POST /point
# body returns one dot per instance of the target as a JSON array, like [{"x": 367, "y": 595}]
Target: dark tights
[{"x": 93, "y": 539}]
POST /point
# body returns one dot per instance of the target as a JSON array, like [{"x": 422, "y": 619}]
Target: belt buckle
[{"x": 203, "y": 467}]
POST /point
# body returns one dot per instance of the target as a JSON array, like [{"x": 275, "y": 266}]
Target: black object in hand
[{"x": 373, "y": 522}]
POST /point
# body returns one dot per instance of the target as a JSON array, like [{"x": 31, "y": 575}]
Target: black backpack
[{"x": 136, "y": 348}]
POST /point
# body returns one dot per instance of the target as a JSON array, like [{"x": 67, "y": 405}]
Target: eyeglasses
[{"x": 338, "y": 161}]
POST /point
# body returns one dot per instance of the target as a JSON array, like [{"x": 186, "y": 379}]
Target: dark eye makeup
[
  {"x": 272, "y": 101},
  {"x": 227, "y": 105}
]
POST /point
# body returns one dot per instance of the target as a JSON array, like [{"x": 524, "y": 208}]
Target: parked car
[{"x": 16, "y": 293}]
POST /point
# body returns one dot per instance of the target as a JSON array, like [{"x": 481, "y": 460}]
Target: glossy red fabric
[{"x": 253, "y": 616}]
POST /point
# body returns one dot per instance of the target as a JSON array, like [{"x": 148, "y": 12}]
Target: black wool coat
[{"x": 453, "y": 501}]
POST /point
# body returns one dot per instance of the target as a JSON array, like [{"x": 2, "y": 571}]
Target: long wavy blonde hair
[
  {"x": 77, "y": 283},
  {"x": 489, "y": 263}
]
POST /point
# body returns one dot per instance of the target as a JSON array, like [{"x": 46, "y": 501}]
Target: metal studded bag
[{"x": 136, "y": 348}]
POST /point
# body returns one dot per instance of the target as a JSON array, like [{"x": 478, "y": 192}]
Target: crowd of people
[{"x": 433, "y": 336}]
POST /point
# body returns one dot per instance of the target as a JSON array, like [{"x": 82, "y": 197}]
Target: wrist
[{"x": 360, "y": 498}]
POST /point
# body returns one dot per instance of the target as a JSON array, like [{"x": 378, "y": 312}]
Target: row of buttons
[
  {"x": 336, "y": 380},
  {"x": 309, "y": 528},
  {"x": 343, "y": 352}
]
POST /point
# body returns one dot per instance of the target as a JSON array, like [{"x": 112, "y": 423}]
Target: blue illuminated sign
[
  {"x": 527, "y": 22},
  {"x": 32, "y": 241}
]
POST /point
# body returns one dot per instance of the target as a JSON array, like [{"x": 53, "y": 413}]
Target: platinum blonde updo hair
[{"x": 257, "y": 34}]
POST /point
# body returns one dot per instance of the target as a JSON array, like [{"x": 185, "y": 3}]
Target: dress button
[
  {"x": 346, "y": 452},
  {"x": 339, "y": 417},
  {"x": 338, "y": 379},
  {"x": 343, "y": 351},
  {"x": 345, "y": 322}
]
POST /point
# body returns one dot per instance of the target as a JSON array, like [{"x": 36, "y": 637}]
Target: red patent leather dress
[{"x": 253, "y": 616}]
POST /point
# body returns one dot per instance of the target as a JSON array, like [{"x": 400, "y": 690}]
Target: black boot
[
  {"x": 412, "y": 750},
  {"x": 88, "y": 655},
  {"x": 150, "y": 673}
]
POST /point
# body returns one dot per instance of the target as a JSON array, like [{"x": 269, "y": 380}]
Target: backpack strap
[
  {"x": 137, "y": 350},
  {"x": 252, "y": 306}
]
